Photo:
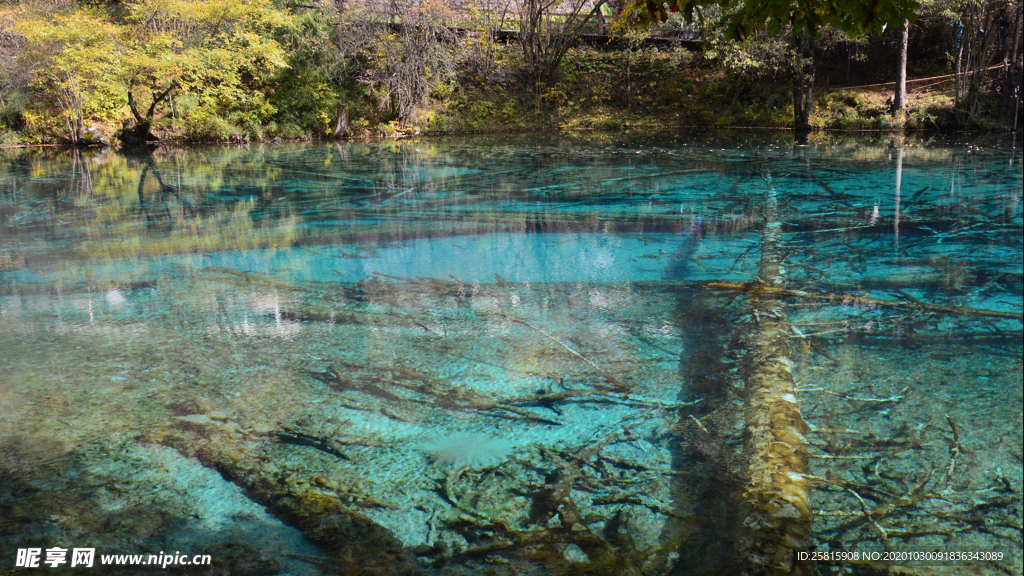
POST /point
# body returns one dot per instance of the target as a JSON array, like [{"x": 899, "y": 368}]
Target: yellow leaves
[
  {"x": 210, "y": 16},
  {"x": 630, "y": 24},
  {"x": 212, "y": 58},
  {"x": 215, "y": 53},
  {"x": 259, "y": 54},
  {"x": 79, "y": 25},
  {"x": 74, "y": 60},
  {"x": 174, "y": 36},
  {"x": 65, "y": 39}
]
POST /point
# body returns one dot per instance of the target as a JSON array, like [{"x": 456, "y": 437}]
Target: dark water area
[{"x": 508, "y": 355}]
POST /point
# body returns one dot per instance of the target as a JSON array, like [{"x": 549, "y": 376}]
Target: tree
[
  {"x": 155, "y": 63},
  {"x": 978, "y": 35},
  {"x": 212, "y": 62},
  {"x": 804, "y": 66},
  {"x": 403, "y": 54},
  {"x": 803, "y": 16},
  {"x": 547, "y": 29},
  {"x": 627, "y": 29},
  {"x": 74, "y": 61},
  {"x": 215, "y": 51},
  {"x": 307, "y": 94},
  {"x": 1013, "y": 69},
  {"x": 802, "y": 20},
  {"x": 899, "y": 98}
]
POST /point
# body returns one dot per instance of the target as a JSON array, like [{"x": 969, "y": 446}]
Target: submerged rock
[{"x": 471, "y": 449}]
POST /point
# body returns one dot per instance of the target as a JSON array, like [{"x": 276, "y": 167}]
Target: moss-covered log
[
  {"x": 767, "y": 289},
  {"x": 778, "y": 526},
  {"x": 357, "y": 544}
]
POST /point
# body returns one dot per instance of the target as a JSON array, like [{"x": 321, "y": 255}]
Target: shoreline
[{"x": 537, "y": 130}]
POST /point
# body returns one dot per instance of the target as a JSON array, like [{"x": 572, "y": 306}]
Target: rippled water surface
[{"x": 508, "y": 355}]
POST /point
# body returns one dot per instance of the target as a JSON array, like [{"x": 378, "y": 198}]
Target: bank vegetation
[{"x": 138, "y": 72}]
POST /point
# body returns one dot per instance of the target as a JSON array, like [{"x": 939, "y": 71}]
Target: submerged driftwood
[
  {"x": 778, "y": 526},
  {"x": 765, "y": 287},
  {"x": 321, "y": 510}
]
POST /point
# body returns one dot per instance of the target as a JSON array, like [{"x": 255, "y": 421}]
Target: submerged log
[
  {"x": 358, "y": 545},
  {"x": 765, "y": 287},
  {"x": 777, "y": 493}
]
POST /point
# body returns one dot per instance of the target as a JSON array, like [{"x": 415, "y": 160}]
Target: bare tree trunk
[
  {"x": 958, "y": 67},
  {"x": 803, "y": 83},
  {"x": 629, "y": 74},
  {"x": 977, "y": 47},
  {"x": 341, "y": 126},
  {"x": 899, "y": 99},
  {"x": 1013, "y": 70},
  {"x": 140, "y": 134}
]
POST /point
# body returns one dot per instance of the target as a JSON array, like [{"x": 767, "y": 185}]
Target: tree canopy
[
  {"x": 804, "y": 16},
  {"x": 220, "y": 56},
  {"x": 74, "y": 61}
]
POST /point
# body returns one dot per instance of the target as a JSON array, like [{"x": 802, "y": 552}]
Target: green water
[{"x": 501, "y": 355}]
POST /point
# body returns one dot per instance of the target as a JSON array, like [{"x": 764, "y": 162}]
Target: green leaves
[{"x": 804, "y": 16}]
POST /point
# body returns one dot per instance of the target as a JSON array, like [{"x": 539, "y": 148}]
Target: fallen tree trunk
[
  {"x": 358, "y": 546},
  {"x": 765, "y": 287},
  {"x": 778, "y": 526}
]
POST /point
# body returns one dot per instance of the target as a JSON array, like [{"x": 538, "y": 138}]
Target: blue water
[{"x": 225, "y": 350}]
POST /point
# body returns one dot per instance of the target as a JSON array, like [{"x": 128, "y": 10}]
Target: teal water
[{"x": 501, "y": 355}]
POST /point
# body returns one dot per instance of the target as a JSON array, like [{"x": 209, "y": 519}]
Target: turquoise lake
[{"x": 505, "y": 355}]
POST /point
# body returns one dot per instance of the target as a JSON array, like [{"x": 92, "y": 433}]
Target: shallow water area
[{"x": 519, "y": 355}]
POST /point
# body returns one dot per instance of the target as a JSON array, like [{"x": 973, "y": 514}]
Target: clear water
[{"x": 292, "y": 357}]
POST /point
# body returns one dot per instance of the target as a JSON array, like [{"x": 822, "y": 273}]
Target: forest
[{"x": 137, "y": 72}]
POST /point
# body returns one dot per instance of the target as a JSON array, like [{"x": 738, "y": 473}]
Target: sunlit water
[{"x": 225, "y": 350}]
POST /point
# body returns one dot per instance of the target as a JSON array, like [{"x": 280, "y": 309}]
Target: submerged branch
[
  {"x": 619, "y": 386},
  {"x": 762, "y": 288}
]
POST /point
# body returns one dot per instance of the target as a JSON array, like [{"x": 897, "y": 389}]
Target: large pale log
[{"x": 778, "y": 526}]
